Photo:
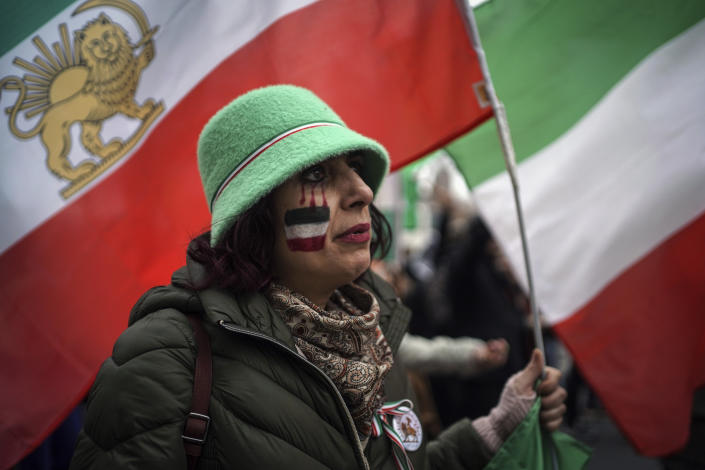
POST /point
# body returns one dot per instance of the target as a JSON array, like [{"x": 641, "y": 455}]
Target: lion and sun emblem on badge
[
  {"x": 408, "y": 428},
  {"x": 86, "y": 82}
]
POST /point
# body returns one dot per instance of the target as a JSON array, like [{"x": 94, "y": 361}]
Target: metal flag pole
[
  {"x": 510, "y": 162},
  {"x": 509, "y": 158}
]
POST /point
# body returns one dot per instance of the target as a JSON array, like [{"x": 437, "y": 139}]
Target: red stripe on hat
[{"x": 261, "y": 150}]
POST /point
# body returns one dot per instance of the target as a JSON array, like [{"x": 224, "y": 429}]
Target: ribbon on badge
[{"x": 382, "y": 424}]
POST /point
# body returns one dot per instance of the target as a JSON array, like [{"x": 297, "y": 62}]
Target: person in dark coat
[{"x": 471, "y": 293}]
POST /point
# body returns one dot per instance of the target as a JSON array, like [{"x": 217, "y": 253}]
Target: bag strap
[{"x": 198, "y": 421}]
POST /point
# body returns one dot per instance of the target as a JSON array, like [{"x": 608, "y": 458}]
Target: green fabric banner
[{"x": 529, "y": 448}]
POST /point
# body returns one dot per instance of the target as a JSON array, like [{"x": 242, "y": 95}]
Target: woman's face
[{"x": 322, "y": 227}]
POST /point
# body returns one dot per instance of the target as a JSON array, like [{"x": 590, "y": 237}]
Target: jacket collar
[{"x": 249, "y": 311}]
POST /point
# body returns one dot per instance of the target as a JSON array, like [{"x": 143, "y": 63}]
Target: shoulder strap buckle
[{"x": 196, "y": 428}]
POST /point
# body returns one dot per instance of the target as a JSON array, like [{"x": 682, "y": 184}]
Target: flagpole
[
  {"x": 505, "y": 140},
  {"x": 509, "y": 159},
  {"x": 510, "y": 162}
]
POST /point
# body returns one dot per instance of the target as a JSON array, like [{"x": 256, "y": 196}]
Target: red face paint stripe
[
  {"x": 306, "y": 244},
  {"x": 261, "y": 150}
]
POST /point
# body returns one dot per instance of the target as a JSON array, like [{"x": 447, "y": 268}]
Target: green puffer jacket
[{"x": 269, "y": 407}]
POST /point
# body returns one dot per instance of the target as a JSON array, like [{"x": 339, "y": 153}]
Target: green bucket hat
[{"x": 267, "y": 135}]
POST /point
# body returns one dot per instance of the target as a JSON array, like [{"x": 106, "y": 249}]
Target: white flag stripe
[
  {"x": 305, "y": 230},
  {"x": 193, "y": 38},
  {"x": 616, "y": 185}
]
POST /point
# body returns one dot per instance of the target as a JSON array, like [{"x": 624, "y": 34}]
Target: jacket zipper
[{"x": 351, "y": 424}]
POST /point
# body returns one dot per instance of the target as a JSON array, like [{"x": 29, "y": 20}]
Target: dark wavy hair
[{"x": 242, "y": 259}]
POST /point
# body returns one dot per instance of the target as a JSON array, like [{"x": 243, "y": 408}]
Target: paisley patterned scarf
[{"x": 344, "y": 341}]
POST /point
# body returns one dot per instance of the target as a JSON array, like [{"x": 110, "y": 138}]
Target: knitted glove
[
  {"x": 514, "y": 403},
  {"x": 512, "y": 408}
]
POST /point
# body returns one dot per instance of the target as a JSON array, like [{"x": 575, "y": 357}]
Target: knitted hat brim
[{"x": 285, "y": 159}]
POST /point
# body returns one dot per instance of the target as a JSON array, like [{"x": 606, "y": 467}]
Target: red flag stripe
[{"x": 647, "y": 327}]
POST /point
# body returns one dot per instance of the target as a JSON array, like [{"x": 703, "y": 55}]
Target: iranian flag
[
  {"x": 606, "y": 104},
  {"x": 100, "y": 190}
]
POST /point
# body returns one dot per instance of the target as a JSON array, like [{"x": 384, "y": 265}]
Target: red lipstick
[{"x": 359, "y": 233}]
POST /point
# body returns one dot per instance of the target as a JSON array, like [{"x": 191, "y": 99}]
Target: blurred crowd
[
  {"x": 475, "y": 327},
  {"x": 469, "y": 330}
]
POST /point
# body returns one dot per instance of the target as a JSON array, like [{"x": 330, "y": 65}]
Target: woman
[{"x": 303, "y": 335}]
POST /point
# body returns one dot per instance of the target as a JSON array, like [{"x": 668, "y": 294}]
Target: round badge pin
[{"x": 408, "y": 427}]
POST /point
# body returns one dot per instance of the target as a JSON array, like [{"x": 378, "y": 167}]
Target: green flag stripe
[
  {"x": 552, "y": 60},
  {"x": 20, "y": 18}
]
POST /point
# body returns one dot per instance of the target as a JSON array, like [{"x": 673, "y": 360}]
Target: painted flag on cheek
[
  {"x": 100, "y": 191},
  {"x": 306, "y": 228}
]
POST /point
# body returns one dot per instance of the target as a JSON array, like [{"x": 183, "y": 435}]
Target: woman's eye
[
  {"x": 356, "y": 164},
  {"x": 315, "y": 174}
]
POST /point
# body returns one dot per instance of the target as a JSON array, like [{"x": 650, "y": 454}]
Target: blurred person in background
[
  {"x": 443, "y": 355},
  {"x": 692, "y": 455},
  {"x": 461, "y": 357},
  {"x": 462, "y": 286}
]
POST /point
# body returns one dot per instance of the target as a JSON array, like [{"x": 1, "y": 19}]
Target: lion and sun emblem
[
  {"x": 86, "y": 82},
  {"x": 408, "y": 428}
]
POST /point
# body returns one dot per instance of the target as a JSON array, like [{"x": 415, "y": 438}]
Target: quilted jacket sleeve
[
  {"x": 458, "y": 447},
  {"x": 138, "y": 403}
]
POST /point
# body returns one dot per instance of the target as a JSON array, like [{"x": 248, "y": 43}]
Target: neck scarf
[{"x": 344, "y": 341}]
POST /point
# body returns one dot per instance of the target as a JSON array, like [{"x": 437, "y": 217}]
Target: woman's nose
[{"x": 357, "y": 194}]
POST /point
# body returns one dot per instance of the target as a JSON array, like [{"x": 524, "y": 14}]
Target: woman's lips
[{"x": 359, "y": 233}]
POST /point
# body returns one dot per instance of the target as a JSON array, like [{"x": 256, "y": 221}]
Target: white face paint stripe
[
  {"x": 305, "y": 230},
  {"x": 261, "y": 150}
]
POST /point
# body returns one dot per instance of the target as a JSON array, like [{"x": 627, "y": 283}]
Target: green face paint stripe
[{"x": 307, "y": 215}]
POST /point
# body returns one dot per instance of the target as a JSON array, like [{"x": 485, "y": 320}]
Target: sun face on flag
[{"x": 88, "y": 82}]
